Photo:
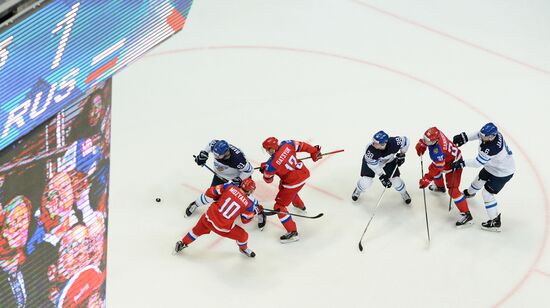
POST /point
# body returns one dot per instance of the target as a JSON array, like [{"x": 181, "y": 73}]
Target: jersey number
[
  {"x": 293, "y": 163},
  {"x": 228, "y": 210},
  {"x": 452, "y": 149}
]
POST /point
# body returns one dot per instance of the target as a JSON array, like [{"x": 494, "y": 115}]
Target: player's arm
[
  {"x": 481, "y": 159},
  {"x": 404, "y": 144},
  {"x": 248, "y": 213},
  {"x": 202, "y": 157},
  {"x": 314, "y": 151},
  {"x": 463, "y": 137},
  {"x": 268, "y": 171},
  {"x": 210, "y": 195},
  {"x": 374, "y": 164}
]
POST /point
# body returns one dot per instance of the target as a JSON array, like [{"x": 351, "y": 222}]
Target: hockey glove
[
  {"x": 263, "y": 166},
  {"x": 201, "y": 158},
  {"x": 420, "y": 147},
  {"x": 400, "y": 158},
  {"x": 385, "y": 180},
  {"x": 460, "y": 139},
  {"x": 424, "y": 182},
  {"x": 315, "y": 156},
  {"x": 458, "y": 164}
]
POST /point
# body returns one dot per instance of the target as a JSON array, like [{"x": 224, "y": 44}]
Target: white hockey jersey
[{"x": 495, "y": 156}]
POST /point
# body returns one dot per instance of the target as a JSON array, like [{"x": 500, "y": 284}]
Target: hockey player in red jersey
[
  {"x": 443, "y": 153},
  {"x": 293, "y": 174},
  {"x": 230, "y": 202}
]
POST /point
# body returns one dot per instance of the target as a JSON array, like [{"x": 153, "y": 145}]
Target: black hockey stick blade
[
  {"x": 292, "y": 214},
  {"x": 360, "y": 246}
]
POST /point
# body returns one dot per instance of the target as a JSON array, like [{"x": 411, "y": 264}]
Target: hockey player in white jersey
[
  {"x": 384, "y": 155},
  {"x": 230, "y": 164},
  {"x": 497, "y": 161}
]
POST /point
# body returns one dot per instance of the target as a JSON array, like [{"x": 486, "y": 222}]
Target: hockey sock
[
  {"x": 398, "y": 184},
  {"x": 203, "y": 200},
  {"x": 476, "y": 186},
  {"x": 242, "y": 246},
  {"x": 491, "y": 204},
  {"x": 189, "y": 238},
  {"x": 460, "y": 200},
  {"x": 438, "y": 180},
  {"x": 285, "y": 219},
  {"x": 364, "y": 183},
  {"x": 297, "y": 202}
]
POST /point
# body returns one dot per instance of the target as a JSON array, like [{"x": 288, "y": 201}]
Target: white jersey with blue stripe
[
  {"x": 377, "y": 159},
  {"x": 235, "y": 166},
  {"x": 495, "y": 156}
]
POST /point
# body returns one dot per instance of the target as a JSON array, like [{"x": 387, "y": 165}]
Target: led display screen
[
  {"x": 54, "y": 188},
  {"x": 53, "y": 55}
]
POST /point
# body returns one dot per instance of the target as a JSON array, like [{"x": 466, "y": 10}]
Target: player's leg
[
  {"x": 397, "y": 182},
  {"x": 364, "y": 182},
  {"x": 241, "y": 237},
  {"x": 438, "y": 184},
  {"x": 477, "y": 183},
  {"x": 199, "y": 229},
  {"x": 299, "y": 203},
  {"x": 282, "y": 200},
  {"x": 460, "y": 201},
  {"x": 493, "y": 186}
]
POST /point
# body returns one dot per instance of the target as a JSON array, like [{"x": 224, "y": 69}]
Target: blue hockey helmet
[
  {"x": 489, "y": 129},
  {"x": 220, "y": 148},
  {"x": 380, "y": 137}
]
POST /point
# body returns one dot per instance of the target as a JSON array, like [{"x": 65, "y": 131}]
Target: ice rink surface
[{"x": 333, "y": 73}]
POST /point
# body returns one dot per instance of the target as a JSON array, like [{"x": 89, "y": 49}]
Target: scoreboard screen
[{"x": 61, "y": 49}]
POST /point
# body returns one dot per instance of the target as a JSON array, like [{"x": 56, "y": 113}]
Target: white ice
[{"x": 333, "y": 72}]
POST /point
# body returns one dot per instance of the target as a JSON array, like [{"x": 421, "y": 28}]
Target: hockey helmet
[
  {"x": 489, "y": 129},
  {"x": 431, "y": 135},
  {"x": 248, "y": 186},
  {"x": 380, "y": 137},
  {"x": 271, "y": 143},
  {"x": 220, "y": 148}
]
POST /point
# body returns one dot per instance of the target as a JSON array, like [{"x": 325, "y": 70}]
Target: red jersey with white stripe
[
  {"x": 231, "y": 202},
  {"x": 284, "y": 163},
  {"x": 443, "y": 153}
]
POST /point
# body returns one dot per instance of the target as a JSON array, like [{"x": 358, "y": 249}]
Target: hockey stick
[
  {"x": 211, "y": 170},
  {"x": 292, "y": 214},
  {"x": 425, "y": 206},
  {"x": 309, "y": 157},
  {"x": 452, "y": 188},
  {"x": 374, "y": 212}
]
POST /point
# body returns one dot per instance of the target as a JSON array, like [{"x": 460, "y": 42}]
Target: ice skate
[
  {"x": 492, "y": 224},
  {"x": 355, "y": 195},
  {"x": 190, "y": 209},
  {"x": 464, "y": 220},
  {"x": 437, "y": 189},
  {"x": 180, "y": 246},
  {"x": 467, "y": 194},
  {"x": 289, "y": 237},
  {"x": 262, "y": 220},
  {"x": 406, "y": 198},
  {"x": 247, "y": 252}
]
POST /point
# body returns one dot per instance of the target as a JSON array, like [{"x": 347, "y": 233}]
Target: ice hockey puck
[{"x": 157, "y": 199}]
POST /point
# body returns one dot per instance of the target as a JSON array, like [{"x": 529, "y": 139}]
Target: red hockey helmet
[
  {"x": 431, "y": 135},
  {"x": 248, "y": 186},
  {"x": 271, "y": 143}
]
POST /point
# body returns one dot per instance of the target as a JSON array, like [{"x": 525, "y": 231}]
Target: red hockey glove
[
  {"x": 420, "y": 147},
  {"x": 315, "y": 156},
  {"x": 263, "y": 166},
  {"x": 268, "y": 179},
  {"x": 424, "y": 182}
]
